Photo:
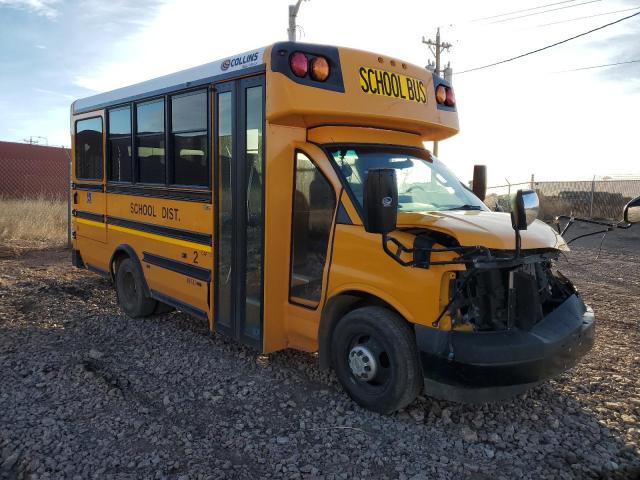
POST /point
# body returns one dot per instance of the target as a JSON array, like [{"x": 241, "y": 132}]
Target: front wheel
[{"x": 376, "y": 360}]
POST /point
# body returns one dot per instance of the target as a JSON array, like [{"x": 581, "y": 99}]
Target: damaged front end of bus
[
  {"x": 511, "y": 320},
  {"x": 512, "y": 323}
]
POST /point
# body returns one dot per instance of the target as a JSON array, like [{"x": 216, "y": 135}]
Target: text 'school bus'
[{"x": 285, "y": 196}]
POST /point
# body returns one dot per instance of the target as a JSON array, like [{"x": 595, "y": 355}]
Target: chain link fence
[
  {"x": 34, "y": 197},
  {"x": 33, "y": 171},
  {"x": 600, "y": 198}
]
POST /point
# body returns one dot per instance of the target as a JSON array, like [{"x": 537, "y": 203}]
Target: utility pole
[
  {"x": 293, "y": 13},
  {"x": 437, "y": 48},
  {"x": 31, "y": 140}
]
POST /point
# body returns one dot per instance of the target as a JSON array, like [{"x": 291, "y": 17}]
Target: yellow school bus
[{"x": 285, "y": 196}]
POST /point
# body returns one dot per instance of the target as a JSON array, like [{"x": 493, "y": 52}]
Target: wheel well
[
  {"x": 116, "y": 259},
  {"x": 336, "y": 308},
  {"x": 121, "y": 253}
]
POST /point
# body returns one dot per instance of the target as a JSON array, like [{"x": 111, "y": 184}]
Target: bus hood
[{"x": 489, "y": 229}]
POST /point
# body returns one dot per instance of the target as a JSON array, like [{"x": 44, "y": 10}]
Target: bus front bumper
[{"x": 478, "y": 367}]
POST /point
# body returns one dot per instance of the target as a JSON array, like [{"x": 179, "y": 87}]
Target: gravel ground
[{"x": 86, "y": 392}]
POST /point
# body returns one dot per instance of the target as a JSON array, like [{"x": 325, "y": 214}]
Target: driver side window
[{"x": 314, "y": 203}]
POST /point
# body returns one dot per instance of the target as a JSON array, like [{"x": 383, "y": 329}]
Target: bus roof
[
  {"x": 191, "y": 77},
  {"x": 362, "y": 88}
]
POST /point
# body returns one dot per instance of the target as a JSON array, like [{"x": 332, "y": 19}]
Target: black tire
[
  {"x": 130, "y": 288},
  {"x": 398, "y": 376}
]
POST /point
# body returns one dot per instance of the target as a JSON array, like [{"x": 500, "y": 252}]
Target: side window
[
  {"x": 313, "y": 206},
  {"x": 88, "y": 148},
  {"x": 119, "y": 132},
  {"x": 189, "y": 139},
  {"x": 150, "y": 142}
]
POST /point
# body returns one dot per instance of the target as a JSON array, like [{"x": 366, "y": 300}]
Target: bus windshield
[{"x": 424, "y": 182}]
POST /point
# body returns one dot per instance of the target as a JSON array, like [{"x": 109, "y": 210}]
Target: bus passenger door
[{"x": 239, "y": 180}]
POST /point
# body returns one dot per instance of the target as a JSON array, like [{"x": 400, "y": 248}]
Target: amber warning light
[{"x": 318, "y": 67}]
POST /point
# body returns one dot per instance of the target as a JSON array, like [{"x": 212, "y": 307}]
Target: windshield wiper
[{"x": 466, "y": 207}]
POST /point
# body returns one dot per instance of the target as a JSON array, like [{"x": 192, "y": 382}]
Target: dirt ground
[{"x": 86, "y": 392}]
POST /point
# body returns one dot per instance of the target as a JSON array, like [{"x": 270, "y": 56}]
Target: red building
[{"x": 28, "y": 171}]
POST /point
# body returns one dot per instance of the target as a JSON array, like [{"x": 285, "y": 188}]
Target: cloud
[
  {"x": 622, "y": 46},
  {"x": 54, "y": 93},
  {"x": 627, "y": 48},
  {"x": 44, "y": 8},
  {"x": 168, "y": 37}
]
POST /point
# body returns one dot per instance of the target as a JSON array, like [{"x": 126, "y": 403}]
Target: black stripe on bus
[
  {"x": 92, "y": 187},
  {"x": 192, "y": 271},
  {"x": 201, "y": 238},
  {"x": 183, "y": 307},
  {"x": 96, "y": 217},
  {"x": 154, "y": 192}
]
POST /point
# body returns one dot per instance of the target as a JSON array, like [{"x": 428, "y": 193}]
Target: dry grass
[{"x": 30, "y": 224}]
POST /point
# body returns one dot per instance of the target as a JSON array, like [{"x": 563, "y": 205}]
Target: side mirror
[
  {"x": 524, "y": 209},
  {"x": 479, "y": 185},
  {"x": 631, "y": 213},
  {"x": 380, "y": 200}
]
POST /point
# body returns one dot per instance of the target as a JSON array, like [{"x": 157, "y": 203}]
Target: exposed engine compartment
[
  {"x": 498, "y": 290},
  {"x": 492, "y": 299}
]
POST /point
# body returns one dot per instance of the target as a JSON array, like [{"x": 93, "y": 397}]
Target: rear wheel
[
  {"x": 131, "y": 292},
  {"x": 376, "y": 360}
]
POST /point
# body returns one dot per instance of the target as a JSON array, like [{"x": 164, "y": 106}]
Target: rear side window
[
  {"x": 120, "y": 165},
  {"x": 88, "y": 149},
  {"x": 150, "y": 142},
  {"x": 189, "y": 139}
]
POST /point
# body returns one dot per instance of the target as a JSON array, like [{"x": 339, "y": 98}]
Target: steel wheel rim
[{"x": 379, "y": 362}]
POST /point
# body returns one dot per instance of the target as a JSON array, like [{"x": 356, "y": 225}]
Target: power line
[
  {"x": 544, "y": 11},
  {"x": 508, "y": 13},
  {"x": 521, "y": 11},
  {"x": 598, "y": 66},
  {"x": 540, "y": 13},
  {"x": 588, "y": 16},
  {"x": 549, "y": 46}
]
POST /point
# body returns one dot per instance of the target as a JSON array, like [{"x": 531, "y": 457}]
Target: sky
[{"x": 528, "y": 116}]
